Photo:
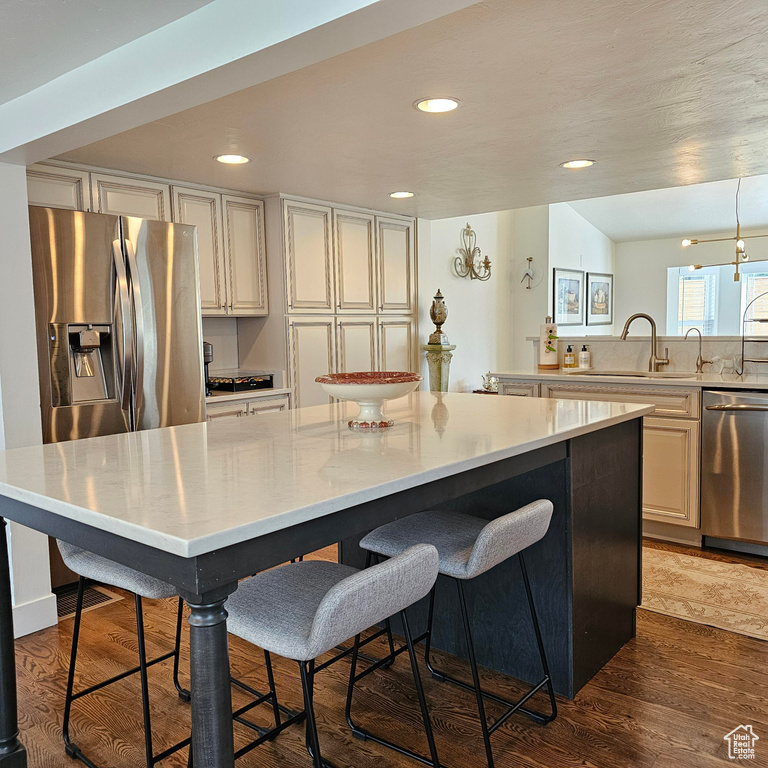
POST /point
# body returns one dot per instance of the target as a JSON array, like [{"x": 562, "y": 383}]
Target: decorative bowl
[{"x": 369, "y": 389}]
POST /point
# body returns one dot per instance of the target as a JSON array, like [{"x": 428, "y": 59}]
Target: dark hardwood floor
[{"x": 665, "y": 701}]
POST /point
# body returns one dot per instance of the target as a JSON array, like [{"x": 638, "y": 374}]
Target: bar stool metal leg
[
  {"x": 364, "y": 734},
  {"x": 475, "y": 674},
  {"x": 144, "y": 683},
  {"x": 70, "y": 748},
  {"x": 539, "y": 642},
  {"x": 184, "y": 694},
  {"x": 307, "y": 686}
]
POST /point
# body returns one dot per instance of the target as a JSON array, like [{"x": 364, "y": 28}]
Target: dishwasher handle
[{"x": 737, "y": 407}]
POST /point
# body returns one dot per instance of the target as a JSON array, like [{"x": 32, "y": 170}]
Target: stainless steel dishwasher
[{"x": 734, "y": 466}]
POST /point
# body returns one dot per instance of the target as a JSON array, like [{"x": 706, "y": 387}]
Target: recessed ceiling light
[
  {"x": 232, "y": 159},
  {"x": 437, "y": 105},
  {"x": 577, "y": 163},
  {"x": 399, "y": 195}
]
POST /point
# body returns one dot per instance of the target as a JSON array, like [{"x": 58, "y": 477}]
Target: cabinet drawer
[
  {"x": 520, "y": 389},
  {"x": 225, "y": 410},
  {"x": 267, "y": 405},
  {"x": 671, "y": 471},
  {"x": 672, "y": 402}
]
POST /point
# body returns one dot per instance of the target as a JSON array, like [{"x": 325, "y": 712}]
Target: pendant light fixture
[{"x": 741, "y": 246}]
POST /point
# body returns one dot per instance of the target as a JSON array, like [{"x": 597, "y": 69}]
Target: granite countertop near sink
[{"x": 757, "y": 381}]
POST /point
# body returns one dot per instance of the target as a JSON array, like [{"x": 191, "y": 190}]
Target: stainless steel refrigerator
[{"x": 119, "y": 335}]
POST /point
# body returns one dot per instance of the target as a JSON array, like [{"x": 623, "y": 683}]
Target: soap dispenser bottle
[
  {"x": 585, "y": 357},
  {"x": 569, "y": 358}
]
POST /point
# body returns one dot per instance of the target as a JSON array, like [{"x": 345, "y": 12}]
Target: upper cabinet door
[
  {"x": 246, "y": 255},
  {"x": 397, "y": 265},
  {"x": 203, "y": 209},
  {"x": 308, "y": 257},
  {"x": 54, "y": 187},
  {"x": 355, "y": 262},
  {"x": 131, "y": 197}
]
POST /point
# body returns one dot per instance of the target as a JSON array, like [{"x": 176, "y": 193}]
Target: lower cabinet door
[
  {"x": 226, "y": 410},
  {"x": 312, "y": 353},
  {"x": 671, "y": 471},
  {"x": 356, "y": 344},
  {"x": 397, "y": 340}
]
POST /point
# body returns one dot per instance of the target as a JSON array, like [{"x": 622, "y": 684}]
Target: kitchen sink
[{"x": 635, "y": 374}]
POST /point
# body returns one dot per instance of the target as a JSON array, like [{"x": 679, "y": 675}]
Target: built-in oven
[{"x": 734, "y": 466}]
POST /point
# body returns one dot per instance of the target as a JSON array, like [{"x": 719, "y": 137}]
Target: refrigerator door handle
[
  {"x": 138, "y": 311},
  {"x": 125, "y": 315}
]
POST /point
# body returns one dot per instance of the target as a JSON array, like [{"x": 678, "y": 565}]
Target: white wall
[
  {"x": 479, "y": 313},
  {"x": 222, "y": 333},
  {"x": 487, "y": 321},
  {"x": 641, "y": 270},
  {"x": 34, "y": 607},
  {"x": 574, "y": 243},
  {"x": 529, "y": 307}
]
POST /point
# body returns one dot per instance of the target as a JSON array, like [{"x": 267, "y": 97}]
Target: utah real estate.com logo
[{"x": 741, "y": 743}]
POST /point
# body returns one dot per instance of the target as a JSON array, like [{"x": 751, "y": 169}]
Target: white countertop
[
  {"x": 218, "y": 396},
  {"x": 195, "y": 488},
  {"x": 757, "y": 381}
]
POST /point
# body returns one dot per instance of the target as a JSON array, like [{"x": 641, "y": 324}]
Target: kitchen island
[{"x": 203, "y": 505}]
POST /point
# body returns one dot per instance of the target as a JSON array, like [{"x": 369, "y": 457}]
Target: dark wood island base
[{"x": 585, "y": 573}]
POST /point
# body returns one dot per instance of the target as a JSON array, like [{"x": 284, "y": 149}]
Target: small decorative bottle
[
  {"x": 548, "y": 359},
  {"x": 585, "y": 358},
  {"x": 569, "y": 358}
]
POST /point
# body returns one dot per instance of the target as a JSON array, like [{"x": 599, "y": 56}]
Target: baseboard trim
[
  {"x": 677, "y": 534},
  {"x": 35, "y": 615}
]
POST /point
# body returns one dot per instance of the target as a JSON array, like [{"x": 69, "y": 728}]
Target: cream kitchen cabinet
[
  {"x": 254, "y": 407},
  {"x": 311, "y": 353},
  {"x": 245, "y": 254},
  {"x": 55, "y": 187},
  {"x": 397, "y": 265},
  {"x": 226, "y": 410},
  {"x": 231, "y": 252},
  {"x": 341, "y": 261},
  {"x": 308, "y": 257},
  {"x": 203, "y": 209},
  {"x": 397, "y": 344},
  {"x": 521, "y": 389},
  {"x": 356, "y": 279},
  {"x": 267, "y": 405},
  {"x": 671, "y": 478},
  {"x": 126, "y": 196},
  {"x": 356, "y": 344},
  {"x": 671, "y": 440}
]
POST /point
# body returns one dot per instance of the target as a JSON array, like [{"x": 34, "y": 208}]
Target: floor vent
[{"x": 94, "y": 597}]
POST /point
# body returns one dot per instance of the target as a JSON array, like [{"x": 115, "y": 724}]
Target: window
[
  {"x": 752, "y": 286},
  {"x": 696, "y": 302}
]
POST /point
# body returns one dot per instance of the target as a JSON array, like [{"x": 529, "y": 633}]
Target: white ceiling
[
  {"x": 698, "y": 209},
  {"x": 662, "y": 93},
  {"x": 42, "y": 39}
]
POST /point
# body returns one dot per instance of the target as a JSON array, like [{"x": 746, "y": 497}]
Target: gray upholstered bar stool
[
  {"x": 469, "y": 546},
  {"x": 303, "y": 610},
  {"x": 89, "y": 566}
]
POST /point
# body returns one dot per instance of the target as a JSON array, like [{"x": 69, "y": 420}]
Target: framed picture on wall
[
  {"x": 599, "y": 299},
  {"x": 568, "y": 298}
]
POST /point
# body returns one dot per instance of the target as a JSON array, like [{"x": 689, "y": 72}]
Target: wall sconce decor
[{"x": 470, "y": 262}]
